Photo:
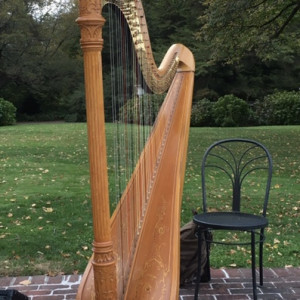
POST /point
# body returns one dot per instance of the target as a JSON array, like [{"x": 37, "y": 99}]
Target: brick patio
[{"x": 225, "y": 284}]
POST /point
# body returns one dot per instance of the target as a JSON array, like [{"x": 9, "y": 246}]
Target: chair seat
[{"x": 230, "y": 220}]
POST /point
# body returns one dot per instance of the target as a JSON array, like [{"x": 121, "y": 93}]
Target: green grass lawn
[{"x": 45, "y": 218}]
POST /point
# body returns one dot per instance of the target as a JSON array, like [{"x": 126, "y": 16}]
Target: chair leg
[
  {"x": 199, "y": 231},
  {"x": 207, "y": 265},
  {"x": 253, "y": 265},
  {"x": 261, "y": 243}
]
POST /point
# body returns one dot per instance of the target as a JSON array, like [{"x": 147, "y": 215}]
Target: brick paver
[
  {"x": 237, "y": 284},
  {"x": 225, "y": 284}
]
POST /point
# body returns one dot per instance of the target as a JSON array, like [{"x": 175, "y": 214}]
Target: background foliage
[
  {"x": 7, "y": 113},
  {"x": 231, "y": 111},
  {"x": 40, "y": 59},
  {"x": 279, "y": 108},
  {"x": 249, "y": 49}
]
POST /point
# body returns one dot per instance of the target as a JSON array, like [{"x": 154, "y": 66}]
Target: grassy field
[{"x": 45, "y": 219}]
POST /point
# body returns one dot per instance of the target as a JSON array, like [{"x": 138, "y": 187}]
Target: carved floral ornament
[
  {"x": 91, "y": 23},
  {"x": 90, "y": 7},
  {"x": 103, "y": 253},
  {"x": 91, "y": 35}
]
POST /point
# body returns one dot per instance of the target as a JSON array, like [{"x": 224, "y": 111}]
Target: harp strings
[{"x": 133, "y": 114}]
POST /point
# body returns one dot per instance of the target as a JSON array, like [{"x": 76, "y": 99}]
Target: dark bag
[
  {"x": 12, "y": 295},
  {"x": 189, "y": 254}
]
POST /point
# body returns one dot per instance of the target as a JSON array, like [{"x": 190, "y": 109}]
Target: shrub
[
  {"x": 7, "y": 113},
  {"x": 202, "y": 113},
  {"x": 231, "y": 111},
  {"x": 141, "y": 110},
  {"x": 280, "y": 108},
  {"x": 75, "y": 110},
  {"x": 206, "y": 93}
]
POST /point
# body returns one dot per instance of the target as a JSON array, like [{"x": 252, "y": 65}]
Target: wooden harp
[{"x": 147, "y": 267}]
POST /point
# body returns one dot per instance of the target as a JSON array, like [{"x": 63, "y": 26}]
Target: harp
[{"x": 146, "y": 266}]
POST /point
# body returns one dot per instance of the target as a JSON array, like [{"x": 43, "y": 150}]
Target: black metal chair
[{"x": 236, "y": 179}]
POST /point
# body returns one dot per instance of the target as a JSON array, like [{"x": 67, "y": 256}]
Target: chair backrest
[{"x": 242, "y": 166}]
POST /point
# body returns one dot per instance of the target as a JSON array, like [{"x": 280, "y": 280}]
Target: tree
[
  {"x": 39, "y": 55},
  {"x": 175, "y": 21},
  {"x": 247, "y": 48},
  {"x": 267, "y": 28}
]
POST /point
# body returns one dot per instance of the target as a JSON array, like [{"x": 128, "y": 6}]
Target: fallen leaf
[
  {"x": 51, "y": 274},
  {"x": 65, "y": 254},
  {"x": 25, "y": 282},
  {"x": 48, "y": 209}
]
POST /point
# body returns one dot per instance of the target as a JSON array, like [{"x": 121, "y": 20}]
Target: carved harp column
[{"x": 91, "y": 23}]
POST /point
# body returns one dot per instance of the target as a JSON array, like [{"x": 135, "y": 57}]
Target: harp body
[{"x": 146, "y": 264}]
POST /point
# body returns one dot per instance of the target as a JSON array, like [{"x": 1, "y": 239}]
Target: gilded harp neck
[{"x": 157, "y": 79}]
